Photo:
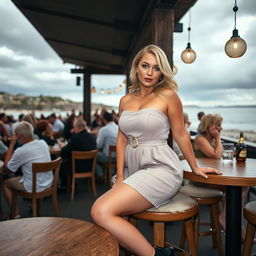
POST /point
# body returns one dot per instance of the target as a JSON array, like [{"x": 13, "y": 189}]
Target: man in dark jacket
[{"x": 80, "y": 141}]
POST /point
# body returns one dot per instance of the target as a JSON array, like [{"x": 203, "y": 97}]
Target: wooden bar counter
[{"x": 53, "y": 236}]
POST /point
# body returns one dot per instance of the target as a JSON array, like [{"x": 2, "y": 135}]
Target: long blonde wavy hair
[
  {"x": 207, "y": 121},
  {"x": 166, "y": 80}
]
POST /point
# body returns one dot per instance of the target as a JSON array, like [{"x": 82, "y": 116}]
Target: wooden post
[
  {"x": 162, "y": 31},
  {"x": 162, "y": 36},
  {"x": 87, "y": 98},
  {"x": 128, "y": 83}
]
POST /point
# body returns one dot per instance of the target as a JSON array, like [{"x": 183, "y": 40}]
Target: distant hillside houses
[{"x": 22, "y": 101}]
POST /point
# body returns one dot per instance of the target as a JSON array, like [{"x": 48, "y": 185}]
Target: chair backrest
[
  {"x": 111, "y": 154},
  {"x": 112, "y": 149},
  {"x": 53, "y": 166},
  {"x": 83, "y": 155}
]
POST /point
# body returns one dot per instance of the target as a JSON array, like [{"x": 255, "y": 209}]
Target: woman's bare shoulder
[
  {"x": 123, "y": 101},
  {"x": 200, "y": 139},
  {"x": 167, "y": 93},
  {"x": 169, "y": 96},
  {"x": 126, "y": 98}
]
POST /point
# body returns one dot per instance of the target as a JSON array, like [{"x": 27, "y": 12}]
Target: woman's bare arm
[
  {"x": 181, "y": 136},
  {"x": 121, "y": 143},
  {"x": 206, "y": 148}
]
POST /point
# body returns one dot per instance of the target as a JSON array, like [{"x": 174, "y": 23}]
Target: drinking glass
[{"x": 228, "y": 152}]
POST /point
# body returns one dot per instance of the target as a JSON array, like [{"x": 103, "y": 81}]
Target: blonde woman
[
  {"x": 208, "y": 143},
  {"x": 148, "y": 171}
]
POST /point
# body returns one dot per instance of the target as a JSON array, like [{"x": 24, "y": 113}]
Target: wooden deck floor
[{"x": 79, "y": 208}]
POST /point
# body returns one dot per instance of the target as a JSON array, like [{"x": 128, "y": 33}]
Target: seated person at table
[
  {"x": 29, "y": 118},
  {"x": 20, "y": 119},
  {"x": 3, "y": 150},
  {"x": 45, "y": 132},
  {"x": 208, "y": 144},
  {"x": 68, "y": 128},
  {"x": 3, "y": 131},
  {"x": 31, "y": 151},
  {"x": 200, "y": 115},
  {"x": 57, "y": 125},
  {"x": 80, "y": 141},
  {"x": 107, "y": 136}
]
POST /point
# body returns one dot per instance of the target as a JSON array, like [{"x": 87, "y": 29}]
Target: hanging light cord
[
  {"x": 235, "y": 9},
  {"x": 189, "y": 24}
]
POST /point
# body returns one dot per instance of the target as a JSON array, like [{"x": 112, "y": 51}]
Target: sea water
[{"x": 234, "y": 118}]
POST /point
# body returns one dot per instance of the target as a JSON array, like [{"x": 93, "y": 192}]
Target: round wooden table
[
  {"x": 53, "y": 236},
  {"x": 235, "y": 176}
]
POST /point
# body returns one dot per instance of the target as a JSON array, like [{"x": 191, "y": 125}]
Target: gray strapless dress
[{"x": 151, "y": 166}]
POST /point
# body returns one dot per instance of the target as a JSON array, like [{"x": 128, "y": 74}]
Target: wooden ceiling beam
[
  {"x": 116, "y": 52},
  {"x": 94, "y": 71},
  {"x": 95, "y": 68},
  {"x": 121, "y": 25}
]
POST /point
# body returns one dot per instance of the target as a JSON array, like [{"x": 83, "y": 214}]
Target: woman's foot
[{"x": 164, "y": 251}]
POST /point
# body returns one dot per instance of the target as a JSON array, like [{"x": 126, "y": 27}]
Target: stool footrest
[
  {"x": 205, "y": 223},
  {"x": 207, "y": 233}
]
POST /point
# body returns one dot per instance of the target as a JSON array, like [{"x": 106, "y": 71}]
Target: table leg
[{"x": 233, "y": 221}]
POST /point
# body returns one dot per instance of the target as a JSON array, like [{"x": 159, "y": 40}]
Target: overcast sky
[{"x": 29, "y": 65}]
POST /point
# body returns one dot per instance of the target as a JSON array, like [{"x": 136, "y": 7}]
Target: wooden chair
[
  {"x": 210, "y": 197},
  {"x": 82, "y": 155},
  {"x": 110, "y": 165},
  {"x": 250, "y": 216},
  {"x": 180, "y": 208},
  {"x": 36, "y": 196}
]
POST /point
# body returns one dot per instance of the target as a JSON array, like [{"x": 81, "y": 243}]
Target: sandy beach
[{"x": 248, "y": 135}]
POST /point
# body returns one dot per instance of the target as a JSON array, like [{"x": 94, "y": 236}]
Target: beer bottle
[{"x": 241, "y": 149}]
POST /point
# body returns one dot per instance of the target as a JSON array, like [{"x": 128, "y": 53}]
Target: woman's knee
[{"x": 100, "y": 212}]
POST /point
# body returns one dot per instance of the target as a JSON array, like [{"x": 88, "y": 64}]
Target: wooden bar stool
[
  {"x": 180, "y": 208},
  {"x": 210, "y": 197},
  {"x": 250, "y": 216}
]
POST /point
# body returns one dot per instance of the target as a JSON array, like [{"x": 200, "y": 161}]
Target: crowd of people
[{"x": 29, "y": 139}]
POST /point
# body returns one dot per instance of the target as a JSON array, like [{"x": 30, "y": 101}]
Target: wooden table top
[
  {"x": 234, "y": 173},
  {"x": 54, "y": 236}
]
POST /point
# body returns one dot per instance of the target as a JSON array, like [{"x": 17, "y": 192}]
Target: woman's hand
[
  {"x": 213, "y": 131},
  {"x": 202, "y": 171},
  {"x": 118, "y": 180}
]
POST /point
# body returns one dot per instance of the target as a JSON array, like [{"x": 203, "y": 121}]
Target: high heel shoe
[{"x": 164, "y": 251}]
